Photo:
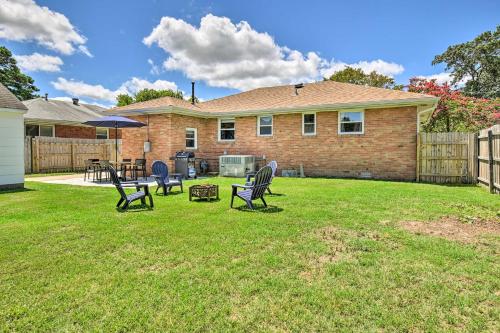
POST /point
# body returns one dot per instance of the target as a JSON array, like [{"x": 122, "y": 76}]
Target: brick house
[
  {"x": 63, "y": 119},
  {"x": 330, "y": 128}
]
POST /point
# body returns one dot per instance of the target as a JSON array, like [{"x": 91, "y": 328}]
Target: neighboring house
[
  {"x": 330, "y": 128},
  {"x": 11, "y": 140},
  {"x": 63, "y": 119}
]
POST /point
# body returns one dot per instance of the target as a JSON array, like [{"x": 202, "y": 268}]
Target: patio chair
[
  {"x": 129, "y": 198},
  {"x": 256, "y": 190},
  {"x": 103, "y": 167},
  {"x": 162, "y": 177},
  {"x": 274, "y": 167},
  {"x": 90, "y": 168},
  {"x": 139, "y": 166}
]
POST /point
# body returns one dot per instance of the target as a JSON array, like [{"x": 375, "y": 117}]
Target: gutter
[{"x": 321, "y": 107}]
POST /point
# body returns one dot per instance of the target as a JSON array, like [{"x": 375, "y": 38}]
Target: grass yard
[{"x": 329, "y": 255}]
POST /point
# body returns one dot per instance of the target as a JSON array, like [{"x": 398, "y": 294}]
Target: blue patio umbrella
[{"x": 115, "y": 122}]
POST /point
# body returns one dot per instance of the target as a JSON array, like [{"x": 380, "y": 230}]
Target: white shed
[{"x": 11, "y": 140}]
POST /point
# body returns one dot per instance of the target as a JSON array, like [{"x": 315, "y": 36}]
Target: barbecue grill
[{"x": 185, "y": 164}]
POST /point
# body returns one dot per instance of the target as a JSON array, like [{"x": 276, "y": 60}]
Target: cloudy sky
[{"x": 97, "y": 49}]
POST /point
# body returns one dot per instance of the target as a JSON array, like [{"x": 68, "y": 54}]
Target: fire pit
[{"x": 206, "y": 191}]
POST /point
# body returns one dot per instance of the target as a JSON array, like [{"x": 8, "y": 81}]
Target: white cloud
[
  {"x": 24, "y": 20},
  {"x": 225, "y": 54},
  {"x": 98, "y": 92},
  {"x": 444, "y": 77},
  {"x": 135, "y": 84},
  {"x": 155, "y": 69},
  {"x": 37, "y": 62},
  {"x": 82, "y": 89},
  {"x": 380, "y": 66}
]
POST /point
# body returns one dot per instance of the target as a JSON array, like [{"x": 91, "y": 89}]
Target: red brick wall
[
  {"x": 387, "y": 150},
  {"x": 81, "y": 132}
]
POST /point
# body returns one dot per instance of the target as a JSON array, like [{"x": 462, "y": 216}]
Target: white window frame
[
  {"x": 107, "y": 132},
  {"x": 315, "y": 123},
  {"x": 220, "y": 121},
  {"x": 195, "y": 130},
  {"x": 272, "y": 125},
  {"x": 362, "y": 122}
]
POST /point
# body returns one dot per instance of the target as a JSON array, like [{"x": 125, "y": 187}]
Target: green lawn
[{"x": 329, "y": 255}]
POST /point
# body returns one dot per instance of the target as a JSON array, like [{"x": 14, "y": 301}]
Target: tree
[
  {"x": 146, "y": 95},
  {"x": 357, "y": 76},
  {"x": 477, "y": 61},
  {"x": 455, "y": 111},
  {"x": 124, "y": 99},
  {"x": 21, "y": 85}
]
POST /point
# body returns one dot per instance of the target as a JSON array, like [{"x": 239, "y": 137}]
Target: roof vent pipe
[
  {"x": 192, "y": 92},
  {"x": 75, "y": 101},
  {"x": 46, "y": 96},
  {"x": 297, "y": 87}
]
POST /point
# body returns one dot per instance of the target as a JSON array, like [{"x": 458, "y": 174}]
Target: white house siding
[{"x": 11, "y": 148}]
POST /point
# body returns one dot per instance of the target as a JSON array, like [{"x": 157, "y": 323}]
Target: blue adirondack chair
[
  {"x": 274, "y": 167},
  {"x": 256, "y": 190},
  {"x": 162, "y": 177},
  {"x": 141, "y": 194}
]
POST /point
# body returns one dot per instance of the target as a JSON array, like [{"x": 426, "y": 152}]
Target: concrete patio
[{"x": 77, "y": 180}]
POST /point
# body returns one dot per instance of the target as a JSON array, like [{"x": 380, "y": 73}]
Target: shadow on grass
[
  {"x": 15, "y": 190},
  {"x": 276, "y": 195},
  {"x": 135, "y": 208},
  {"x": 161, "y": 194},
  {"x": 203, "y": 200},
  {"x": 260, "y": 209}
]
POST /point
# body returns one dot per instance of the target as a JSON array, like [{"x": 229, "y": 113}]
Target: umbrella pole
[{"x": 116, "y": 145}]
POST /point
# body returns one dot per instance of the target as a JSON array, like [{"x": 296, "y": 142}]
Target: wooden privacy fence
[
  {"x": 446, "y": 158},
  {"x": 44, "y": 154},
  {"x": 489, "y": 158}
]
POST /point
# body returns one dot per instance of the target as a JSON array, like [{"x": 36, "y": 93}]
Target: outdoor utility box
[
  {"x": 236, "y": 165},
  {"x": 147, "y": 147}
]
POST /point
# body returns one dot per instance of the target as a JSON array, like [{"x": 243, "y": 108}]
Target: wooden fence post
[
  {"x": 418, "y": 157},
  {"x": 490, "y": 162},
  {"x": 73, "y": 157},
  {"x": 35, "y": 156}
]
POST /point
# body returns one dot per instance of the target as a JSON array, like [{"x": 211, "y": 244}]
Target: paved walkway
[{"x": 77, "y": 179}]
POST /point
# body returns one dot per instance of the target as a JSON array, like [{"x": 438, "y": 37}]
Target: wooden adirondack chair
[
  {"x": 255, "y": 190},
  {"x": 162, "y": 177},
  {"x": 139, "y": 195},
  {"x": 274, "y": 167}
]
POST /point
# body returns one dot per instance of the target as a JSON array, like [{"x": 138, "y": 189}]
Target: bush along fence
[
  {"x": 45, "y": 154},
  {"x": 463, "y": 158}
]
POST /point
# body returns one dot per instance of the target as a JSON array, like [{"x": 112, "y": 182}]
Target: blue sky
[{"x": 96, "y": 49}]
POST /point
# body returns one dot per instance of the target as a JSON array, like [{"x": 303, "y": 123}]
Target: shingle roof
[
  {"x": 280, "y": 97},
  {"x": 8, "y": 100},
  {"x": 61, "y": 111}
]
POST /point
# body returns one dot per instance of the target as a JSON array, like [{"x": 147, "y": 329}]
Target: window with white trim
[
  {"x": 101, "y": 133},
  {"x": 351, "y": 122},
  {"x": 265, "y": 125},
  {"x": 309, "y": 123},
  {"x": 39, "y": 130},
  {"x": 191, "y": 138},
  {"x": 227, "y": 129}
]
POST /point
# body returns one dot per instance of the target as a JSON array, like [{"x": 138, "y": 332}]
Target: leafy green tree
[
  {"x": 18, "y": 83},
  {"x": 357, "y": 76},
  {"x": 146, "y": 95},
  {"x": 478, "y": 61},
  {"x": 124, "y": 99}
]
